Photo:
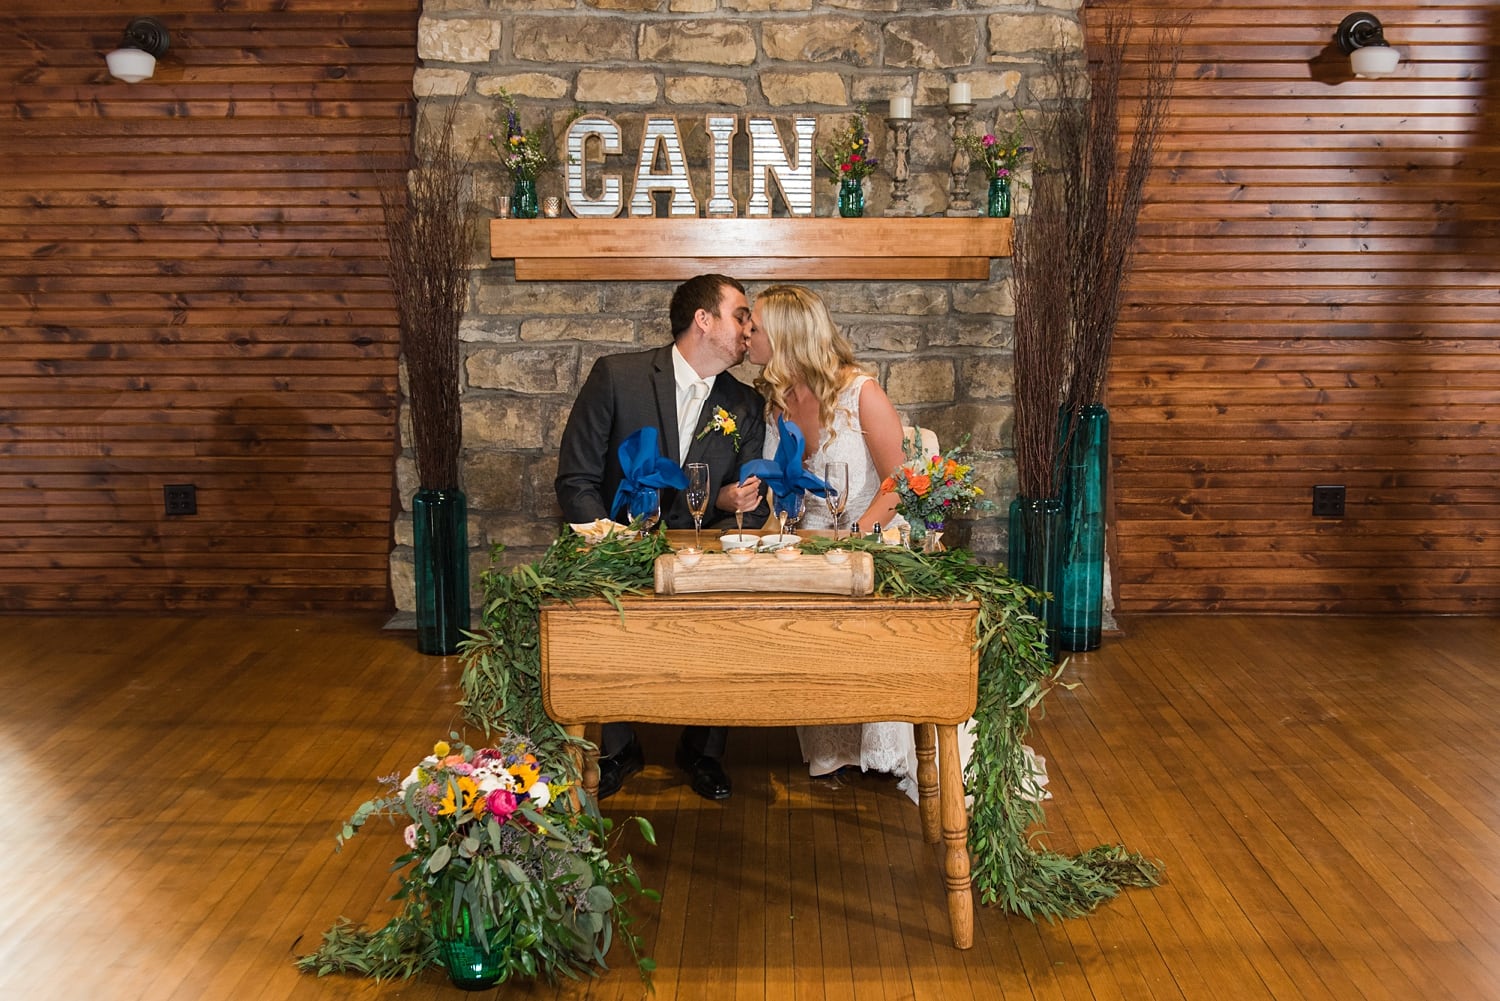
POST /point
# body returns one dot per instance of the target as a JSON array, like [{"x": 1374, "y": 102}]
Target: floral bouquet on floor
[
  {"x": 932, "y": 489},
  {"x": 507, "y": 871}
]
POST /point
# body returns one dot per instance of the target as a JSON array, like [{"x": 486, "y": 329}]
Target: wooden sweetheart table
[{"x": 780, "y": 659}]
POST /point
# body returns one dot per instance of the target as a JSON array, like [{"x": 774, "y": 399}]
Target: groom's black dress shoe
[
  {"x": 705, "y": 774},
  {"x": 616, "y": 768}
]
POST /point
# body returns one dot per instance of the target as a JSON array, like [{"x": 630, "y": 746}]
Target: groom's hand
[{"x": 739, "y": 496}]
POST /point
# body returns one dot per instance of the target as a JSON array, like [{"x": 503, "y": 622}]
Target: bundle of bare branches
[
  {"x": 429, "y": 228},
  {"x": 1104, "y": 197},
  {"x": 1072, "y": 252}
]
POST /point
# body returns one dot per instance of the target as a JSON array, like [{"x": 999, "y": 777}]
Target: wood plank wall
[
  {"x": 192, "y": 291},
  {"x": 1316, "y": 302}
]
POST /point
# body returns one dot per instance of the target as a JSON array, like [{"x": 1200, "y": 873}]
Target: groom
[{"x": 682, "y": 390}]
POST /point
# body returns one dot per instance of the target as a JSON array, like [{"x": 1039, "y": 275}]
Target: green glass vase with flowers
[
  {"x": 524, "y": 154},
  {"x": 1000, "y": 155},
  {"x": 848, "y": 162}
]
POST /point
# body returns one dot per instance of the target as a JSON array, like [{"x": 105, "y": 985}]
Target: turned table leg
[
  {"x": 927, "y": 782},
  {"x": 955, "y": 839},
  {"x": 587, "y": 760}
]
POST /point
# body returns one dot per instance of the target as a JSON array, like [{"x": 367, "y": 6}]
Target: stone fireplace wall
[{"x": 941, "y": 349}]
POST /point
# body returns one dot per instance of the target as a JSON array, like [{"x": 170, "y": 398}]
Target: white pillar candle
[
  {"x": 958, "y": 93},
  {"x": 901, "y": 108}
]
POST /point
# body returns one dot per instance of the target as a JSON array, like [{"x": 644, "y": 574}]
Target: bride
[{"x": 809, "y": 375}]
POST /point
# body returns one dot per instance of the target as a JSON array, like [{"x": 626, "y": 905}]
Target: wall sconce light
[
  {"x": 145, "y": 40},
  {"x": 1363, "y": 41}
]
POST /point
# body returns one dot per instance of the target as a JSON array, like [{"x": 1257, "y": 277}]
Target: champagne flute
[
  {"x": 836, "y": 475},
  {"x": 697, "y": 498}
]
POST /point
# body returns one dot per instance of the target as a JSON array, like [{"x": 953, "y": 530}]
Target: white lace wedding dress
[{"x": 881, "y": 747}]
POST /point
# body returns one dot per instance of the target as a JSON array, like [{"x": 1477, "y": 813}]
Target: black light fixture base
[
  {"x": 1359, "y": 30},
  {"x": 147, "y": 34}
]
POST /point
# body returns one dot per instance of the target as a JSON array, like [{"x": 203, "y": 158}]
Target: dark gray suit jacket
[{"x": 627, "y": 392}]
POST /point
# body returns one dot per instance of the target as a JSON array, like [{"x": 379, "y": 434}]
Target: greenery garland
[{"x": 502, "y": 691}]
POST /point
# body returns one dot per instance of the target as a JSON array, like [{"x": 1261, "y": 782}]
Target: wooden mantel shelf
[{"x": 628, "y": 249}]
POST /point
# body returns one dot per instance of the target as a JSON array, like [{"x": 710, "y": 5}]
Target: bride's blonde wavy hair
[{"x": 806, "y": 348}]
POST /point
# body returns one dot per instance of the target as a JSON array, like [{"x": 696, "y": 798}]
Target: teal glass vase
[
  {"x": 1035, "y": 557},
  {"x": 999, "y": 204},
  {"x": 523, "y": 200},
  {"x": 851, "y": 198},
  {"x": 441, "y": 545},
  {"x": 1081, "y": 598},
  {"x": 472, "y": 964}
]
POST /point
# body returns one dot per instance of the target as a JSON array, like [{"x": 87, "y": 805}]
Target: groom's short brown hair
[{"x": 701, "y": 292}]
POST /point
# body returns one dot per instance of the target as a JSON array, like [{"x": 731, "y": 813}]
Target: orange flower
[
  {"x": 920, "y": 484},
  {"x": 888, "y": 484},
  {"x": 950, "y": 469}
]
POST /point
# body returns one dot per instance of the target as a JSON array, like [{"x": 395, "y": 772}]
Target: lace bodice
[{"x": 847, "y": 445}]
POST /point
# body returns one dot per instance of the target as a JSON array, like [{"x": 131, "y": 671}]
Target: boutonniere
[{"x": 723, "y": 422}]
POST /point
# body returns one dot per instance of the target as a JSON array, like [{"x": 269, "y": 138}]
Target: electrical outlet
[
  {"x": 180, "y": 498},
  {"x": 1328, "y": 501}
]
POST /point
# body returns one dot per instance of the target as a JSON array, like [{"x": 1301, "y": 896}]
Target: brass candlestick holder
[
  {"x": 959, "y": 202},
  {"x": 901, "y": 168}
]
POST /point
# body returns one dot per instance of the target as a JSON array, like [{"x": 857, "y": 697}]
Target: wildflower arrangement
[
  {"x": 724, "y": 423},
  {"x": 503, "y": 848},
  {"x": 999, "y": 155},
  {"x": 931, "y": 489},
  {"x": 848, "y": 158},
  {"x": 524, "y": 154}
]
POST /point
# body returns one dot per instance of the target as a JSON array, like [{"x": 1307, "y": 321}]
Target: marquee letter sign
[
  {"x": 661, "y": 143},
  {"x": 607, "y": 205}
]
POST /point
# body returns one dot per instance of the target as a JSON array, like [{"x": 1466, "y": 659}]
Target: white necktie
[{"x": 687, "y": 424}]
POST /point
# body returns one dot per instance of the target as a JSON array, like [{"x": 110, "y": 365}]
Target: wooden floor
[{"x": 1324, "y": 793}]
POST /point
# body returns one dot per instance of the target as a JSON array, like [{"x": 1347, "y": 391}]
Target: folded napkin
[
  {"x": 784, "y": 474},
  {"x": 642, "y": 466}
]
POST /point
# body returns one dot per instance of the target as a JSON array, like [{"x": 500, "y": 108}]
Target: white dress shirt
[{"x": 692, "y": 390}]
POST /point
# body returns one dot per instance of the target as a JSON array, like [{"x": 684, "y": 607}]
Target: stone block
[
  {"x": 588, "y": 40},
  {"x": 497, "y": 481},
  {"x": 786, "y": 90},
  {"x": 440, "y": 83},
  {"x": 529, "y": 299},
  {"x": 971, "y": 332},
  {"x": 876, "y": 6},
  {"x": 988, "y": 377},
  {"x": 761, "y": 6},
  {"x": 707, "y": 90},
  {"x": 925, "y": 380},
  {"x": 887, "y": 298},
  {"x": 617, "y": 86},
  {"x": 457, "y": 39},
  {"x": 992, "y": 297},
  {"x": 692, "y": 6},
  {"x": 715, "y": 43},
  {"x": 990, "y": 85},
  {"x": 987, "y": 424},
  {"x": 504, "y": 422},
  {"x": 636, "y": 6},
  {"x": 846, "y": 40},
  {"x": 932, "y": 42},
  {"x": 542, "y": 86},
  {"x": 561, "y": 329},
  {"x": 524, "y": 370},
  {"x": 1013, "y": 34},
  {"x": 880, "y": 337}
]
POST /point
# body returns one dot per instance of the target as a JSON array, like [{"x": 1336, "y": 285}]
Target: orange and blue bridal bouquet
[
  {"x": 506, "y": 871},
  {"x": 931, "y": 489}
]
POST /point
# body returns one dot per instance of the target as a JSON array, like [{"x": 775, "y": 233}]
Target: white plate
[
  {"x": 777, "y": 541},
  {"x": 732, "y": 541}
]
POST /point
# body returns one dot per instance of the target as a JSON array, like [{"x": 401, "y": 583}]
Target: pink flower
[
  {"x": 987, "y": 141},
  {"x": 410, "y": 835},
  {"x": 502, "y": 803}
]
